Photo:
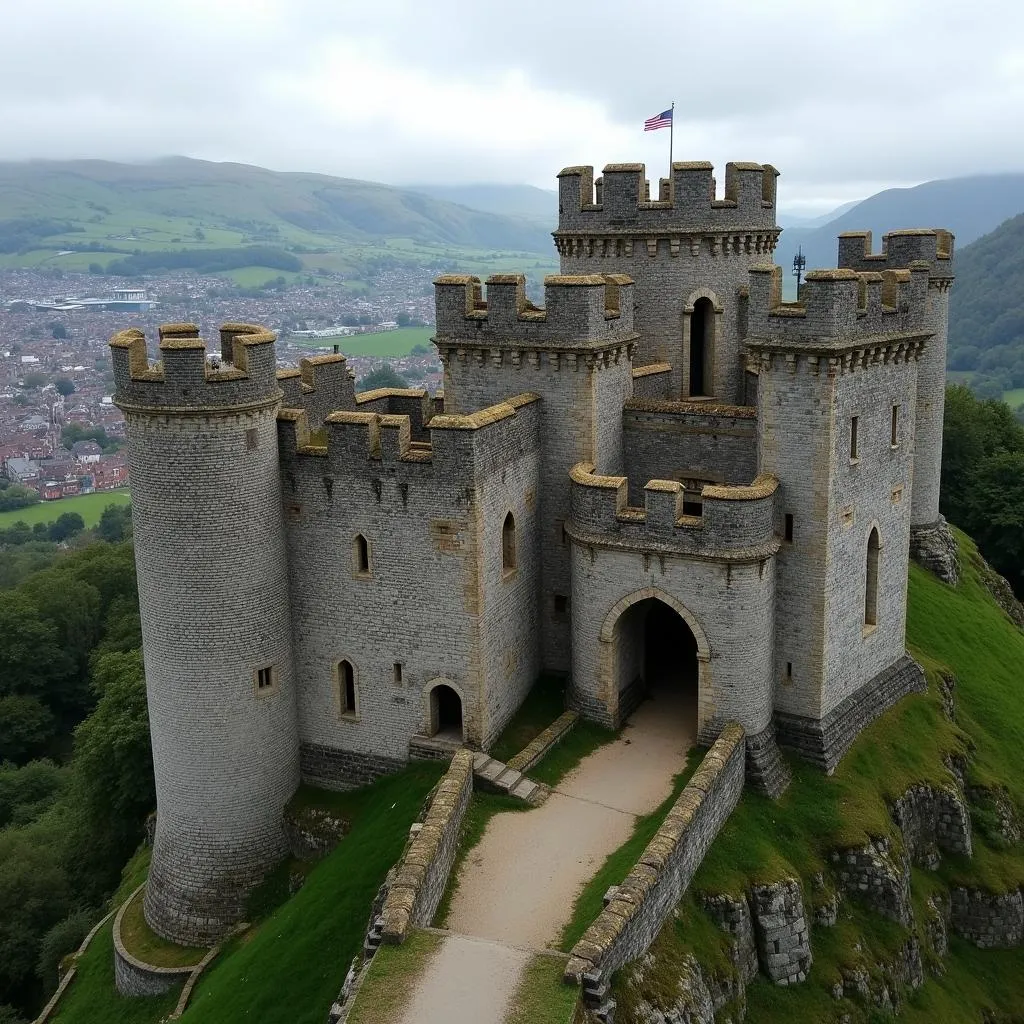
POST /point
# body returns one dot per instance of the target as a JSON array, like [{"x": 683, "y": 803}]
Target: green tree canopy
[{"x": 382, "y": 376}]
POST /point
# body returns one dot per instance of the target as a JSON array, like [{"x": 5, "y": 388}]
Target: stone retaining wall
[
  {"x": 989, "y": 920},
  {"x": 647, "y": 898},
  {"x": 421, "y": 877},
  {"x": 132, "y": 976},
  {"x": 544, "y": 741}
]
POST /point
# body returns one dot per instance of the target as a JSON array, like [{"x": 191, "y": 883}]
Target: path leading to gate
[{"x": 518, "y": 885}]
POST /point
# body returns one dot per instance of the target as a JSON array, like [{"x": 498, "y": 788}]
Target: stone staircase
[{"x": 496, "y": 777}]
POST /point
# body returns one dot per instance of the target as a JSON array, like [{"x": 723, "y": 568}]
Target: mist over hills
[{"x": 527, "y": 201}]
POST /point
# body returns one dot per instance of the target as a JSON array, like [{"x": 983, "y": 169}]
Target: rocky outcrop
[
  {"x": 878, "y": 875},
  {"x": 994, "y": 814},
  {"x": 933, "y": 818},
  {"x": 691, "y": 1002},
  {"x": 732, "y": 915},
  {"x": 881, "y": 984},
  {"x": 781, "y": 932},
  {"x": 935, "y": 548},
  {"x": 1001, "y": 591},
  {"x": 313, "y": 832},
  {"x": 989, "y": 920}
]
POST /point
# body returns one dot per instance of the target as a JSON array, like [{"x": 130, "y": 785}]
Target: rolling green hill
[
  {"x": 986, "y": 328},
  {"x": 102, "y": 211},
  {"x": 535, "y": 204}
]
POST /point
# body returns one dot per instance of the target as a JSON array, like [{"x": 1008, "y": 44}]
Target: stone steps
[{"x": 496, "y": 777}]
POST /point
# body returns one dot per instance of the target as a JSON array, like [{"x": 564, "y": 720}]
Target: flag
[{"x": 662, "y": 120}]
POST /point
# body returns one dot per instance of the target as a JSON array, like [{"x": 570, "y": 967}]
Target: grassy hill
[
  {"x": 970, "y": 207},
  {"x": 539, "y": 205},
  {"x": 986, "y": 329},
  {"x": 102, "y": 210}
]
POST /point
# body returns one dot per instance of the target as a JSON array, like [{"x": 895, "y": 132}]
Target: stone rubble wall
[
  {"x": 879, "y": 876},
  {"x": 647, "y": 898},
  {"x": 932, "y": 818},
  {"x": 421, "y": 878},
  {"x": 732, "y": 915},
  {"x": 989, "y": 920},
  {"x": 781, "y": 930}
]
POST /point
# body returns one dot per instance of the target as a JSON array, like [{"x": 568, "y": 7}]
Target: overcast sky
[{"x": 844, "y": 96}]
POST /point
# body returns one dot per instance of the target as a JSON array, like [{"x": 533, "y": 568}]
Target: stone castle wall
[{"x": 435, "y": 600}]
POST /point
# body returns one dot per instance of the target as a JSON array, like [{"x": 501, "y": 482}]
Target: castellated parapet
[
  {"x": 620, "y": 199},
  {"x": 663, "y": 475}
]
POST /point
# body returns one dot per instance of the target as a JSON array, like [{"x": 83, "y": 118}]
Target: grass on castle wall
[
  {"x": 542, "y": 997},
  {"x": 92, "y": 998},
  {"x": 89, "y": 506},
  {"x": 289, "y": 968},
  {"x": 543, "y": 704},
  {"x": 389, "y": 980},
  {"x": 141, "y": 941},
  {"x": 582, "y": 740}
]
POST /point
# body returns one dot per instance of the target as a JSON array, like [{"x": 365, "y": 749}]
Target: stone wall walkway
[{"x": 518, "y": 885}]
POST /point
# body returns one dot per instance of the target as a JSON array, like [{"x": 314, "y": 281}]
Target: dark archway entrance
[
  {"x": 656, "y": 655},
  {"x": 446, "y": 712},
  {"x": 701, "y": 328}
]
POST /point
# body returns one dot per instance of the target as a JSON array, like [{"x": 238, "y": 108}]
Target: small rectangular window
[
  {"x": 789, "y": 670},
  {"x": 398, "y": 672},
  {"x": 894, "y": 433},
  {"x": 252, "y": 439},
  {"x": 561, "y": 604},
  {"x": 853, "y": 436},
  {"x": 789, "y": 526},
  {"x": 265, "y": 679}
]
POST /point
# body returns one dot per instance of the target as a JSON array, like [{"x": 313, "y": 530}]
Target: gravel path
[{"x": 519, "y": 883}]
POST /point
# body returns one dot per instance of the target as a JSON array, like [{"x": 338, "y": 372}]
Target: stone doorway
[
  {"x": 657, "y": 657},
  {"x": 445, "y": 713}
]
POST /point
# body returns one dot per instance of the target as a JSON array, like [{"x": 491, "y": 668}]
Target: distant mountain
[
  {"x": 969, "y": 207},
  {"x": 93, "y": 206},
  {"x": 986, "y": 328},
  {"x": 791, "y": 221},
  {"x": 526, "y": 201}
]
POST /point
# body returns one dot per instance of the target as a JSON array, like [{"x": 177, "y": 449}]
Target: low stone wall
[
  {"x": 49, "y": 1009},
  {"x": 932, "y": 818},
  {"x": 989, "y": 920},
  {"x": 421, "y": 877},
  {"x": 647, "y": 898},
  {"x": 132, "y": 976},
  {"x": 544, "y": 741}
]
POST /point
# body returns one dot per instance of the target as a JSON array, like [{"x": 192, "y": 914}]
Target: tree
[
  {"x": 31, "y": 658},
  {"x": 382, "y": 376},
  {"x": 63, "y": 938},
  {"x": 58, "y": 330},
  {"x": 25, "y": 725},
  {"x": 115, "y": 523},
  {"x": 34, "y": 380},
  {"x": 64, "y": 386},
  {"x": 66, "y": 525},
  {"x": 402, "y": 319},
  {"x": 420, "y": 350},
  {"x": 95, "y": 268},
  {"x": 27, "y": 791},
  {"x": 17, "y": 496}
]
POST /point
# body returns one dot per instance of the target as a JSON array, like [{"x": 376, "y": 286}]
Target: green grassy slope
[
  {"x": 193, "y": 204},
  {"x": 961, "y": 631},
  {"x": 89, "y": 506}
]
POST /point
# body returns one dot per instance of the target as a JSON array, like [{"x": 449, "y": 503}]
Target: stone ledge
[{"x": 538, "y": 747}]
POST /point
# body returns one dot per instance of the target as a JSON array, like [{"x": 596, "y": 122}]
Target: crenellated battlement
[
  {"x": 900, "y": 250},
  {"x": 734, "y": 521},
  {"x": 320, "y": 384},
  {"x": 620, "y": 200},
  {"x": 187, "y": 378},
  {"x": 578, "y": 311},
  {"x": 838, "y": 308},
  {"x": 362, "y": 442}
]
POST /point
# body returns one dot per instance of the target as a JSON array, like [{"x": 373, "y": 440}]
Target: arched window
[
  {"x": 345, "y": 680},
  {"x": 702, "y": 332},
  {"x": 508, "y": 544},
  {"x": 871, "y": 581},
  {"x": 361, "y": 552}
]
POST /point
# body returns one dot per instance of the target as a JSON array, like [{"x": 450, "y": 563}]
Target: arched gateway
[{"x": 653, "y": 646}]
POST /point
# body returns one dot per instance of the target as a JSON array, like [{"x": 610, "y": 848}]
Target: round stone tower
[
  {"x": 687, "y": 252},
  {"x": 213, "y": 594}
]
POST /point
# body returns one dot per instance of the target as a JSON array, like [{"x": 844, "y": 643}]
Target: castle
[{"x": 664, "y": 467}]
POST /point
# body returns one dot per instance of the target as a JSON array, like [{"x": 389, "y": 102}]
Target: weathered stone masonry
[{"x": 331, "y": 582}]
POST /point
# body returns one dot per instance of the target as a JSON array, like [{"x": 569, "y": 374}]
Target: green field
[
  {"x": 89, "y": 506},
  {"x": 386, "y": 345}
]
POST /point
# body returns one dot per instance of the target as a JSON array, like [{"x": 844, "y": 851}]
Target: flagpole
[{"x": 671, "y": 131}]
